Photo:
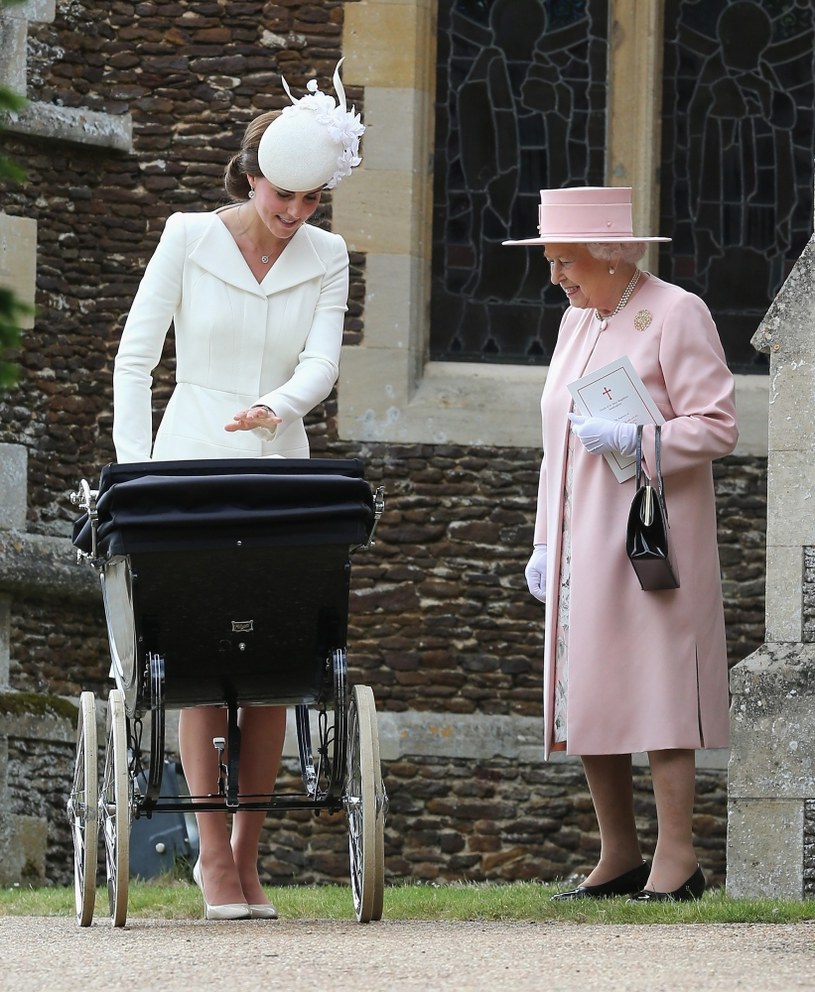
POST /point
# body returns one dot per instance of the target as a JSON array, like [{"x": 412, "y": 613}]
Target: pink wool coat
[{"x": 647, "y": 670}]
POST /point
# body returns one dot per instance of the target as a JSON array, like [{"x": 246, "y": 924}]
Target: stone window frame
[
  {"x": 46, "y": 120},
  {"x": 18, "y": 235},
  {"x": 389, "y": 391}
]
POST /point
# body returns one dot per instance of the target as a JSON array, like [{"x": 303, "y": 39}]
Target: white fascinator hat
[{"x": 314, "y": 143}]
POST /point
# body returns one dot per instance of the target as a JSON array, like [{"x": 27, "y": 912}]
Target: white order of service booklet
[{"x": 616, "y": 392}]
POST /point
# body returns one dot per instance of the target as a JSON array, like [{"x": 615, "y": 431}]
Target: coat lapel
[
  {"x": 217, "y": 253},
  {"x": 298, "y": 263}
]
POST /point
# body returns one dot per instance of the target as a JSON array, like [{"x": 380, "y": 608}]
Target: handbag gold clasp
[{"x": 647, "y": 514}]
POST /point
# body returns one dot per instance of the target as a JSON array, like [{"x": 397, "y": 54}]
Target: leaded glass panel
[
  {"x": 520, "y": 106},
  {"x": 738, "y": 148}
]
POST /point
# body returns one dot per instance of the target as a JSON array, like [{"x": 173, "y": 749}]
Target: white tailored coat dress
[
  {"x": 646, "y": 670},
  {"x": 237, "y": 342}
]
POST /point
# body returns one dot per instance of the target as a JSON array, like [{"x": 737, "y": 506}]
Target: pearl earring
[
  {"x": 251, "y": 194},
  {"x": 611, "y": 269}
]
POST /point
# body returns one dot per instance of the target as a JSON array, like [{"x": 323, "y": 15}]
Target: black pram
[{"x": 226, "y": 583}]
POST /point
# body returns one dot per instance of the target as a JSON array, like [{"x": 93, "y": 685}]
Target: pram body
[{"x": 226, "y": 583}]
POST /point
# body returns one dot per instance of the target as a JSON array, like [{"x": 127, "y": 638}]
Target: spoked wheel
[
  {"x": 82, "y": 808},
  {"x": 324, "y": 778},
  {"x": 379, "y": 829},
  {"x": 364, "y": 806},
  {"x": 114, "y": 809}
]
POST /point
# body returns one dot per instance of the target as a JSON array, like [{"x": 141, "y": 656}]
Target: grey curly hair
[{"x": 629, "y": 252}]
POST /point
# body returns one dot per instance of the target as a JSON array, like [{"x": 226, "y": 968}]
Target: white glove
[
  {"x": 535, "y": 573},
  {"x": 601, "y": 436}
]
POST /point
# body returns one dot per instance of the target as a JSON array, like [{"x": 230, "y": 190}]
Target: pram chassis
[{"x": 156, "y": 667}]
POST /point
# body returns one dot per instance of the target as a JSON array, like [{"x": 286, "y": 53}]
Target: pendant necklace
[
  {"x": 263, "y": 258},
  {"x": 629, "y": 289}
]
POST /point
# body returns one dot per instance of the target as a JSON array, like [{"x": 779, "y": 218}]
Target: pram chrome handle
[
  {"x": 85, "y": 499},
  {"x": 379, "y": 509}
]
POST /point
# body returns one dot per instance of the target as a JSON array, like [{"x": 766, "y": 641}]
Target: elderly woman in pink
[{"x": 626, "y": 670}]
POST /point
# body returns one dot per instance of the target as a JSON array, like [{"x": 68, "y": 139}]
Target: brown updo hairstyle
[{"x": 245, "y": 162}]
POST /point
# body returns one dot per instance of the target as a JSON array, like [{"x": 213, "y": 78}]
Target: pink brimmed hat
[{"x": 585, "y": 213}]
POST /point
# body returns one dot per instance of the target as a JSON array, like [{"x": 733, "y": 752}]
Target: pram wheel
[
  {"x": 364, "y": 806},
  {"x": 379, "y": 830},
  {"x": 82, "y": 810},
  {"x": 114, "y": 809}
]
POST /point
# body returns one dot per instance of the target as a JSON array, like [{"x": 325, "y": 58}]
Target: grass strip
[{"x": 524, "y": 901}]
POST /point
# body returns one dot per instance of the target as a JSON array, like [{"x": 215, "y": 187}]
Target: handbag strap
[
  {"x": 658, "y": 453},
  {"x": 639, "y": 455}
]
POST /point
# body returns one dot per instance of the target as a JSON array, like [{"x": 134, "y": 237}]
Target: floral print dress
[{"x": 562, "y": 634}]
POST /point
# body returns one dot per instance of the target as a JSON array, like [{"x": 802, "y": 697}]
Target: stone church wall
[{"x": 440, "y": 620}]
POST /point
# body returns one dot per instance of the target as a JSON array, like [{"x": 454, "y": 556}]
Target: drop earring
[
  {"x": 251, "y": 194},
  {"x": 611, "y": 269}
]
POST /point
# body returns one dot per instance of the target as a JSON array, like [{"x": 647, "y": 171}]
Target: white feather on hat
[{"x": 313, "y": 143}]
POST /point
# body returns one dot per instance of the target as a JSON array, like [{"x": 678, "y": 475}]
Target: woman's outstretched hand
[{"x": 255, "y": 416}]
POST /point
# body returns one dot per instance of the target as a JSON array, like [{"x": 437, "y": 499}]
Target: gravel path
[{"x": 54, "y": 955}]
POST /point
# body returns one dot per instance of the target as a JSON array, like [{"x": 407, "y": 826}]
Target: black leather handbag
[{"x": 647, "y": 538}]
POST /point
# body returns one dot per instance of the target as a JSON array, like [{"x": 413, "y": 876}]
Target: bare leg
[
  {"x": 674, "y": 776},
  {"x": 196, "y": 728},
  {"x": 263, "y": 729},
  {"x": 612, "y": 792}
]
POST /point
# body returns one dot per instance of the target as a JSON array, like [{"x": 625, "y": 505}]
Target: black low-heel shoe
[
  {"x": 692, "y": 889},
  {"x": 622, "y": 885}
]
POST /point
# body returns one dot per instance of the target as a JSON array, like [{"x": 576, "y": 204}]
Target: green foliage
[
  {"x": 36, "y": 704},
  {"x": 12, "y": 310},
  {"x": 9, "y": 100}
]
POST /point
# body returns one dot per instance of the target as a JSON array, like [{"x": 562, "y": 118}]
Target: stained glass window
[
  {"x": 738, "y": 148},
  {"x": 521, "y": 105}
]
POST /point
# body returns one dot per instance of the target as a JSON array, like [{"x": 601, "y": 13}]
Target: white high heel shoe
[
  {"x": 226, "y": 911},
  {"x": 262, "y": 911}
]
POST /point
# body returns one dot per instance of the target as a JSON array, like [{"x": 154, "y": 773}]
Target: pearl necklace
[{"x": 629, "y": 289}]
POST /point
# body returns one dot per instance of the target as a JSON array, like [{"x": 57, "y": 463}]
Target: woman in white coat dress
[
  {"x": 257, "y": 299},
  {"x": 627, "y": 671}
]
